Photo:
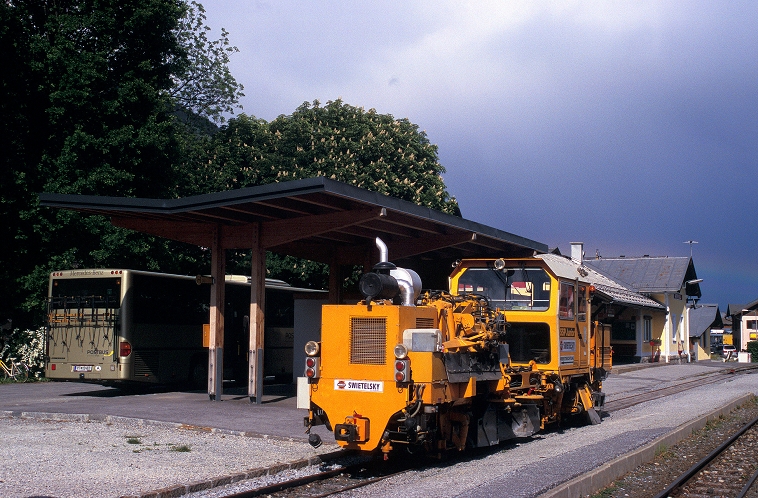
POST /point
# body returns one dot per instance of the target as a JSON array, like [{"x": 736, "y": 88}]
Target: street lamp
[{"x": 686, "y": 286}]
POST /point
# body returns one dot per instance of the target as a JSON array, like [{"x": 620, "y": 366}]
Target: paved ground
[{"x": 276, "y": 416}]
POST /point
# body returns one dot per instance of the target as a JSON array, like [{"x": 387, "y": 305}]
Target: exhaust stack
[{"x": 387, "y": 281}]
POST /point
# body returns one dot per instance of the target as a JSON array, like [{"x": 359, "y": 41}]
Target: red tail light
[
  {"x": 125, "y": 349},
  {"x": 52, "y": 366},
  {"x": 403, "y": 370},
  {"x": 312, "y": 366}
]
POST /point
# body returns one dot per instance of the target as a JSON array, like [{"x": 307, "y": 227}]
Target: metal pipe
[
  {"x": 406, "y": 292},
  {"x": 383, "y": 252}
]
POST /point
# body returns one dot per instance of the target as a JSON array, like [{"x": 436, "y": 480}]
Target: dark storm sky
[{"x": 629, "y": 126}]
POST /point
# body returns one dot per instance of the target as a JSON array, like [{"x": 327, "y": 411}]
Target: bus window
[
  {"x": 168, "y": 301},
  {"x": 97, "y": 292},
  {"x": 509, "y": 288}
]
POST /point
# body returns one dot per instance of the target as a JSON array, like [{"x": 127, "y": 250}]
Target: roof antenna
[{"x": 690, "y": 242}]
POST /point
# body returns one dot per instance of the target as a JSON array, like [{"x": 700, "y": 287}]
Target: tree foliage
[
  {"x": 119, "y": 98},
  {"x": 205, "y": 87},
  {"x": 90, "y": 108},
  {"x": 338, "y": 141}
]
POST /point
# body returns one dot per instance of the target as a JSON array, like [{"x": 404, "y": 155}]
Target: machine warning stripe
[{"x": 368, "y": 386}]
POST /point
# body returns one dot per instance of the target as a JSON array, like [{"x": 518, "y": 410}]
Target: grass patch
[
  {"x": 181, "y": 448},
  {"x": 606, "y": 493},
  {"x": 662, "y": 451},
  {"x": 133, "y": 440}
]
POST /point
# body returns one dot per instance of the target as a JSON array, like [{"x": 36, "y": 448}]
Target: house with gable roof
[
  {"x": 744, "y": 323},
  {"x": 670, "y": 281},
  {"x": 616, "y": 304},
  {"x": 701, "y": 319}
]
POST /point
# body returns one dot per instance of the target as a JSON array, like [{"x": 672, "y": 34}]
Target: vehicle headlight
[
  {"x": 312, "y": 348},
  {"x": 401, "y": 352}
]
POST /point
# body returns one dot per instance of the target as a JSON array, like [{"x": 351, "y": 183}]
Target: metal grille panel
[
  {"x": 424, "y": 323},
  {"x": 368, "y": 341},
  {"x": 145, "y": 363}
]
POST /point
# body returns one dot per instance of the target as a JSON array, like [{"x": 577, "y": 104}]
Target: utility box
[
  {"x": 744, "y": 357},
  {"x": 206, "y": 335}
]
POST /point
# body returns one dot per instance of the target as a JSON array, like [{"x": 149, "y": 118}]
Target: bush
[
  {"x": 752, "y": 347},
  {"x": 27, "y": 346}
]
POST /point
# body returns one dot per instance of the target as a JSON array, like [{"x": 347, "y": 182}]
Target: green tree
[
  {"x": 338, "y": 141},
  {"x": 206, "y": 87},
  {"x": 91, "y": 92}
]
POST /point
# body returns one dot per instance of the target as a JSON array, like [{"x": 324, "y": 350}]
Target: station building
[{"x": 665, "y": 334}]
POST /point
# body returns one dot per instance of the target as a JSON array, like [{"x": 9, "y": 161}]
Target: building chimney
[{"x": 577, "y": 252}]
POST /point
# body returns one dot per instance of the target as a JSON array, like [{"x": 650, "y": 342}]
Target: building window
[
  {"x": 751, "y": 324},
  {"x": 674, "y": 329},
  {"x": 623, "y": 331},
  {"x": 647, "y": 328}
]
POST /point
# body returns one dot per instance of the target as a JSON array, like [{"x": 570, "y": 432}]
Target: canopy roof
[{"x": 315, "y": 218}]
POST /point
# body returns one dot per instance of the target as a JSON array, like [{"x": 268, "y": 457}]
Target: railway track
[
  {"x": 730, "y": 470},
  {"x": 631, "y": 400},
  {"x": 368, "y": 470},
  {"x": 329, "y": 481}
]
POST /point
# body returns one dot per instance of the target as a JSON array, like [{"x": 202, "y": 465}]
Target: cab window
[
  {"x": 509, "y": 288},
  {"x": 566, "y": 301},
  {"x": 529, "y": 341},
  {"x": 581, "y": 304}
]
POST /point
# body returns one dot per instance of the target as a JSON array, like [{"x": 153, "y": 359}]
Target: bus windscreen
[{"x": 64, "y": 291}]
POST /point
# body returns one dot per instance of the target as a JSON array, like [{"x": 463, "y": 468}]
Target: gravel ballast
[
  {"x": 69, "y": 458},
  {"x": 532, "y": 468}
]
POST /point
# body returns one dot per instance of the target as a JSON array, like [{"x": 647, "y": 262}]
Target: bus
[{"x": 126, "y": 326}]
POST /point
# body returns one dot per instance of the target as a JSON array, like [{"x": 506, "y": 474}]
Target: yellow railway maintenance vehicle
[{"x": 511, "y": 349}]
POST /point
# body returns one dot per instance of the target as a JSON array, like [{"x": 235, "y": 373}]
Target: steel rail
[
  {"x": 626, "y": 402},
  {"x": 748, "y": 485},
  {"x": 635, "y": 399},
  {"x": 289, "y": 485},
  {"x": 292, "y": 483},
  {"x": 695, "y": 469}
]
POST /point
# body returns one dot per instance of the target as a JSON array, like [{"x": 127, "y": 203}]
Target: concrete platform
[{"x": 277, "y": 416}]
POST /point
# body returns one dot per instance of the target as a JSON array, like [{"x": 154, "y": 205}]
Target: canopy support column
[
  {"x": 335, "y": 281},
  {"x": 257, "y": 317},
  {"x": 216, "y": 339}
]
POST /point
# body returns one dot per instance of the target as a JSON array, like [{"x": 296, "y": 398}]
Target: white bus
[{"x": 116, "y": 325}]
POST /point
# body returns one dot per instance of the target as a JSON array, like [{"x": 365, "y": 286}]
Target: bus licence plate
[{"x": 82, "y": 368}]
